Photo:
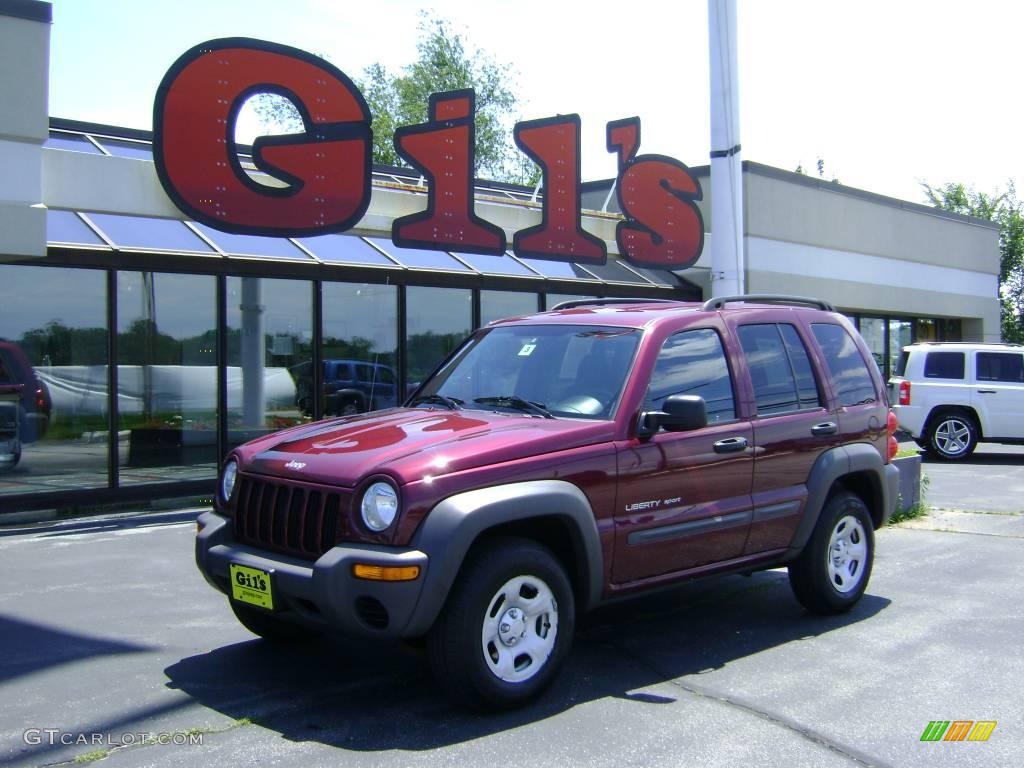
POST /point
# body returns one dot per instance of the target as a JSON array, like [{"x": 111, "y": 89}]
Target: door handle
[
  {"x": 825, "y": 428},
  {"x": 731, "y": 445},
  {"x": 986, "y": 391}
]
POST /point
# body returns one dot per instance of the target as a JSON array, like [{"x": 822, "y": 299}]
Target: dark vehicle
[
  {"x": 34, "y": 405},
  {"x": 350, "y": 387},
  {"x": 557, "y": 461}
]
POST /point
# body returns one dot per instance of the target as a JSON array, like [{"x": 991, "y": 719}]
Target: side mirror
[{"x": 681, "y": 413}]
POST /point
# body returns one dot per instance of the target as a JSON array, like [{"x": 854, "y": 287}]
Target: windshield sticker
[{"x": 527, "y": 350}]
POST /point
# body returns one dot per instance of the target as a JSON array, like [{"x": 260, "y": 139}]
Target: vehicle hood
[{"x": 410, "y": 444}]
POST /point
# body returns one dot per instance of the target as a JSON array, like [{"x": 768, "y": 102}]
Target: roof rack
[
  {"x": 604, "y": 302},
  {"x": 769, "y": 298},
  {"x": 968, "y": 343}
]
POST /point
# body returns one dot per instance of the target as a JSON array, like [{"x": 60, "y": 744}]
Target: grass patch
[
  {"x": 901, "y": 515},
  {"x": 91, "y": 757}
]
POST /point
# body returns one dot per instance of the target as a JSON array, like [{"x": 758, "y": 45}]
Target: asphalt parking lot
[{"x": 109, "y": 635}]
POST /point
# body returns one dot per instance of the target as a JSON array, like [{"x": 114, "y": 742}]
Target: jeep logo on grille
[{"x": 295, "y": 465}]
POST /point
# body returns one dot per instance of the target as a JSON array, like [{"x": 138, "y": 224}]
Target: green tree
[
  {"x": 1006, "y": 211},
  {"x": 443, "y": 63}
]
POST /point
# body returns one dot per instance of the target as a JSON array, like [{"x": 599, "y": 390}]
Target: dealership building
[{"x": 160, "y": 342}]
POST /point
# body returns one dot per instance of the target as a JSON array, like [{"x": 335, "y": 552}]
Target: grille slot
[{"x": 286, "y": 517}]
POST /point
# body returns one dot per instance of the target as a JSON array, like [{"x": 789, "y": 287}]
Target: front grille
[{"x": 286, "y": 517}]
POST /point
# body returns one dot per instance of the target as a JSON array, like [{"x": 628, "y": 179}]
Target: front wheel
[
  {"x": 832, "y": 572},
  {"x": 506, "y": 628}
]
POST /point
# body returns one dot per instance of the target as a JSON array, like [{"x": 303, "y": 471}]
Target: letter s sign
[{"x": 326, "y": 169}]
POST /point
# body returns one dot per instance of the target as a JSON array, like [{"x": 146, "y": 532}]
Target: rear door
[
  {"x": 684, "y": 497},
  {"x": 792, "y": 427}
]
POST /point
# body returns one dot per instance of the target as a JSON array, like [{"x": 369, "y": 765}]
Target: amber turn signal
[{"x": 385, "y": 572}]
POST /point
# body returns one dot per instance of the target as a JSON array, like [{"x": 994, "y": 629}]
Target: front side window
[
  {"x": 1000, "y": 366},
  {"x": 693, "y": 363},
  {"x": 850, "y": 374},
  {"x": 567, "y": 370}
]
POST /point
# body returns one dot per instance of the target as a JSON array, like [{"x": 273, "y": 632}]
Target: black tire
[
  {"x": 952, "y": 435},
  {"x": 832, "y": 572},
  {"x": 271, "y": 628},
  {"x": 502, "y": 586}
]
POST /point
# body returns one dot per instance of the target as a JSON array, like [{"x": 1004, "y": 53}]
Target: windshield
[{"x": 543, "y": 370}]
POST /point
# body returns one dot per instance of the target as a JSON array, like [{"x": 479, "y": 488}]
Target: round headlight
[
  {"x": 227, "y": 479},
  {"x": 379, "y": 507}
]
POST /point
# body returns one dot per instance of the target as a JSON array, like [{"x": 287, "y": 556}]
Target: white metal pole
[{"x": 727, "y": 260}]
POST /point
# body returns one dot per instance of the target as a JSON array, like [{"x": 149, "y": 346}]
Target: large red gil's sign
[{"x": 327, "y": 168}]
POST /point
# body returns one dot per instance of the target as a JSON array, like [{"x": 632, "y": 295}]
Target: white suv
[{"x": 949, "y": 396}]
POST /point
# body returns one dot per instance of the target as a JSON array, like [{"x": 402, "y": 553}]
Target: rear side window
[
  {"x": 901, "y": 365},
  {"x": 850, "y": 374},
  {"x": 944, "y": 365},
  {"x": 693, "y": 363},
  {"x": 1000, "y": 366},
  {"x": 779, "y": 368}
]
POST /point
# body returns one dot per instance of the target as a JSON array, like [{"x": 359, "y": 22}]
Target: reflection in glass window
[
  {"x": 495, "y": 305},
  {"x": 806, "y": 385},
  {"x": 900, "y": 335},
  {"x": 418, "y": 258},
  {"x": 872, "y": 329},
  {"x": 693, "y": 363},
  {"x": 167, "y": 374},
  {"x": 252, "y": 245},
  {"x": 554, "y": 299},
  {"x": 345, "y": 249},
  {"x": 850, "y": 373},
  {"x": 71, "y": 141},
  {"x": 437, "y": 320},
  {"x": 67, "y": 227},
  {"x": 360, "y": 350},
  {"x": 53, "y": 337},
  {"x": 143, "y": 232},
  {"x": 269, "y": 339}
]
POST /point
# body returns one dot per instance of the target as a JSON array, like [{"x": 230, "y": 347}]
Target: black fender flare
[
  {"x": 451, "y": 527},
  {"x": 833, "y": 465}
]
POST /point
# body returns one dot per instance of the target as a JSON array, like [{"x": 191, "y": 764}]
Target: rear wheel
[
  {"x": 506, "y": 628},
  {"x": 832, "y": 572},
  {"x": 271, "y": 628},
  {"x": 952, "y": 436}
]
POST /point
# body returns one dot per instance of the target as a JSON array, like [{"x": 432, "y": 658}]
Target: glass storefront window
[
  {"x": 901, "y": 333},
  {"x": 873, "y": 331},
  {"x": 360, "y": 349},
  {"x": 437, "y": 320},
  {"x": 269, "y": 342},
  {"x": 53, "y": 341},
  {"x": 495, "y": 305},
  {"x": 167, "y": 376}
]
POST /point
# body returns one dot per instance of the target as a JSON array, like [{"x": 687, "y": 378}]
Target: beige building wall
[{"x": 24, "y": 123}]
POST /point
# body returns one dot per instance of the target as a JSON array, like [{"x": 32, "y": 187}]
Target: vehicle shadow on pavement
[
  {"x": 369, "y": 695},
  {"x": 988, "y": 458},
  {"x": 29, "y": 648}
]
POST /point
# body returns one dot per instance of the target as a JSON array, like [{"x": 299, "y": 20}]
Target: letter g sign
[{"x": 326, "y": 168}]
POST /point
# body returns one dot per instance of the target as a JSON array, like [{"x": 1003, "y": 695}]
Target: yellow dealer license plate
[{"x": 252, "y": 586}]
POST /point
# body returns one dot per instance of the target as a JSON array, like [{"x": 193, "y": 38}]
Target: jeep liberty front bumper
[{"x": 324, "y": 593}]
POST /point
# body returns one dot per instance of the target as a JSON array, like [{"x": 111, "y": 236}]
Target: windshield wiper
[
  {"x": 452, "y": 403},
  {"x": 514, "y": 401}
]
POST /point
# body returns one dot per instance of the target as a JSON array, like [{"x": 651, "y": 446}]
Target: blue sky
[{"x": 888, "y": 92}]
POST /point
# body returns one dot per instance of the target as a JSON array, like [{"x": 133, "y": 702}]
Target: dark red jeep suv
[{"x": 557, "y": 461}]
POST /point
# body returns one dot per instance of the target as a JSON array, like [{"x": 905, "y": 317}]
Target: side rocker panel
[{"x": 455, "y": 523}]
